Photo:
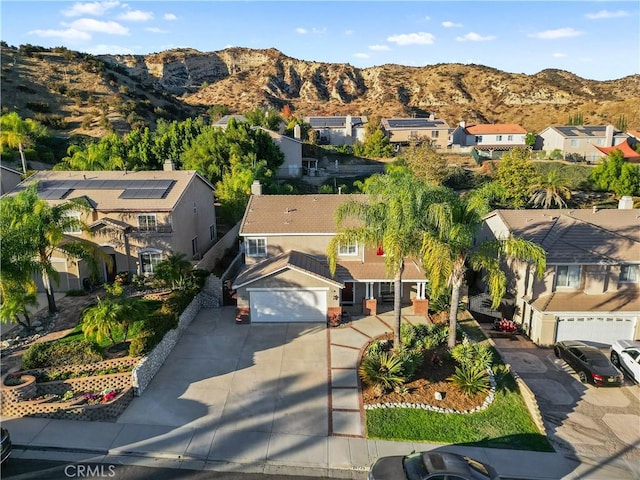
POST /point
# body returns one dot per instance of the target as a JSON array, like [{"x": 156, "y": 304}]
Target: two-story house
[
  {"x": 489, "y": 140},
  {"x": 136, "y": 218},
  {"x": 286, "y": 275},
  {"x": 338, "y": 130},
  {"x": 403, "y": 131},
  {"x": 578, "y": 142},
  {"x": 591, "y": 288}
]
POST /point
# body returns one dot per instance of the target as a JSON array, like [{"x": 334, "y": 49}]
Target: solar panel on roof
[{"x": 54, "y": 193}]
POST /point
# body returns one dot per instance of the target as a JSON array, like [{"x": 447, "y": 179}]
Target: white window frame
[
  {"x": 478, "y": 138},
  {"x": 498, "y": 138},
  {"x": 256, "y": 247},
  {"x": 78, "y": 217},
  {"x": 629, "y": 273},
  {"x": 574, "y": 142},
  {"x": 509, "y": 138},
  {"x": 348, "y": 250},
  {"x": 146, "y": 228},
  {"x": 154, "y": 252},
  {"x": 569, "y": 276},
  {"x": 435, "y": 133}
]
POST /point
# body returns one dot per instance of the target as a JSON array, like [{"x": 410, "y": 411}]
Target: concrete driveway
[
  {"x": 596, "y": 425},
  {"x": 249, "y": 391}
]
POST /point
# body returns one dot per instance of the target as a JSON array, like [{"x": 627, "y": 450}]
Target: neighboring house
[
  {"x": 577, "y": 142},
  {"x": 403, "y": 131},
  {"x": 291, "y": 148},
  {"x": 9, "y": 179},
  {"x": 591, "y": 287},
  {"x": 489, "y": 137},
  {"x": 629, "y": 154},
  {"x": 338, "y": 130},
  {"x": 286, "y": 275},
  {"x": 137, "y": 218}
]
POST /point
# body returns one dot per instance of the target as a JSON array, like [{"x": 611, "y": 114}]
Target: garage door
[
  {"x": 604, "y": 330},
  {"x": 288, "y": 306}
]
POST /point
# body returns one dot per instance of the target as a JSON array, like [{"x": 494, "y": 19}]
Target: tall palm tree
[
  {"x": 392, "y": 217},
  {"x": 18, "y": 133},
  {"x": 16, "y": 297},
  {"x": 172, "y": 269},
  {"x": 448, "y": 246},
  {"x": 552, "y": 189}
]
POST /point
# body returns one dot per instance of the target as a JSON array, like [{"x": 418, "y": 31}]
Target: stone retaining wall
[
  {"x": 146, "y": 368},
  {"x": 86, "y": 367}
]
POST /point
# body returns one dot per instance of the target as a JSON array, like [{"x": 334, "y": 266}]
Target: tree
[
  {"x": 551, "y": 190},
  {"x": 18, "y": 133},
  {"x": 376, "y": 145},
  {"x": 109, "y": 317},
  {"x": 392, "y": 217},
  {"x": 517, "y": 174},
  {"x": 448, "y": 245},
  {"x": 530, "y": 139},
  {"x": 617, "y": 175},
  {"x": 576, "y": 119},
  {"x": 39, "y": 229},
  {"x": 622, "y": 123},
  {"x": 173, "y": 269},
  {"x": 426, "y": 163},
  {"x": 17, "y": 296}
]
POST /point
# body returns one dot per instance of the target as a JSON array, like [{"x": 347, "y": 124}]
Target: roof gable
[{"x": 495, "y": 128}]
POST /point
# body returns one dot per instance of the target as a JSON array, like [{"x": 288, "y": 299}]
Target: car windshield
[{"x": 414, "y": 467}]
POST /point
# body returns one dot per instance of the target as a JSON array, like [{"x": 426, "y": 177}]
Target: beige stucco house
[
  {"x": 489, "y": 137},
  {"x": 137, "y": 218},
  {"x": 403, "y": 131},
  {"x": 338, "y": 130},
  {"x": 579, "y": 142},
  {"x": 286, "y": 275},
  {"x": 591, "y": 288}
]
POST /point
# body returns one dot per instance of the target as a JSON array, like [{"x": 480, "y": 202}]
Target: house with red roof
[
  {"x": 629, "y": 154},
  {"x": 577, "y": 142},
  {"x": 488, "y": 138}
]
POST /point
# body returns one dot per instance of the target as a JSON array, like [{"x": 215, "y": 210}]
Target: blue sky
[{"x": 594, "y": 39}]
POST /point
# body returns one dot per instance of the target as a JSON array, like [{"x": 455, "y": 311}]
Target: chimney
[
  {"x": 608, "y": 136},
  {"x": 595, "y": 209},
  {"x": 348, "y": 126},
  {"x": 463, "y": 124},
  {"x": 625, "y": 203},
  {"x": 256, "y": 188},
  {"x": 297, "y": 132},
  {"x": 168, "y": 166},
  {"x": 432, "y": 117}
]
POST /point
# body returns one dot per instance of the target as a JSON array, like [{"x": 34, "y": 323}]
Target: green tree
[
  {"x": 530, "y": 139},
  {"x": 172, "y": 270},
  {"x": 517, "y": 174},
  {"x": 216, "y": 112},
  {"x": 106, "y": 154},
  {"x": 376, "y": 144},
  {"x": 576, "y": 119},
  {"x": 426, "y": 163},
  {"x": 18, "y": 133},
  {"x": 16, "y": 297},
  {"x": 268, "y": 118},
  {"x": 39, "y": 228},
  {"x": 110, "y": 317},
  {"x": 552, "y": 189},
  {"x": 622, "y": 123},
  {"x": 392, "y": 217},
  {"x": 617, "y": 175},
  {"x": 449, "y": 244}
]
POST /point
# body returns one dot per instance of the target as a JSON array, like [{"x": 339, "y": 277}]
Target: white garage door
[
  {"x": 288, "y": 306},
  {"x": 604, "y": 330}
]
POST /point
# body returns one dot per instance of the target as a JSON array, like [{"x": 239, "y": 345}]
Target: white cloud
[
  {"x": 69, "y": 34},
  {"x": 91, "y": 25},
  {"x": 93, "y": 8},
  {"x": 361, "y": 55},
  {"x": 565, "y": 32},
  {"x": 319, "y": 31},
  {"x": 448, "y": 24},
  {"x": 301, "y": 31},
  {"x": 170, "y": 16},
  {"x": 427, "y": 18},
  {"x": 602, "y": 14},
  {"x": 136, "y": 16},
  {"x": 474, "y": 37},
  {"x": 419, "y": 38},
  {"x": 103, "y": 49},
  {"x": 348, "y": 32},
  {"x": 156, "y": 30},
  {"x": 380, "y": 48},
  {"x": 559, "y": 55}
]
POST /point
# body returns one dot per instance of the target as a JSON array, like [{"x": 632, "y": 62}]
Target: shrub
[
  {"x": 143, "y": 343},
  {"x": 56, "y": 354},
  {"x": 436, "y": 336},
  {"x": 411, "y": 361},
  {"x": 383, "y": 371},
  {"x": 472, "y": 355},
  {"x": 471, "y": 379},
  {"x": 379, "y": 346}
]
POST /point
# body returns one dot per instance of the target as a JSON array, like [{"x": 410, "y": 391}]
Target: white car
[{"x": 626, "y": 355}]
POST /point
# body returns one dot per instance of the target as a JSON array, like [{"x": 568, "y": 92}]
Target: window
[
  {"x": 509, "y": 138},
  {"x": 479, "y": 139},
  {"x": 435, "y": 133},
  {"x": 194, "y": 245},
  {"x": 256, "y": 247},
  {"x": 629, "y": 273},
  {"x": 149, "y": 260},
  {"x": 74, "y": 223},
  {"x": 568, "y": 276},
  {"x": 147, "y": 223},
  {"x": 574, "y": 143},
  {"x": 498, "y": 138},
  {"x": 600, "y": 141},
  {"x": 212, "y": 232},
  {"x": 348, "y": 249}
]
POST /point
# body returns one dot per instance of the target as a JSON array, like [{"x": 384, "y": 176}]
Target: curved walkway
[{"x": 346, "y": 416}]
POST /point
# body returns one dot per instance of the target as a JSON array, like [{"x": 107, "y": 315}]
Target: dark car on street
[
  {"x": 431, "y": 465},
  {"x": 591, "y": 365},
  {"x": 6, "y": 445}
]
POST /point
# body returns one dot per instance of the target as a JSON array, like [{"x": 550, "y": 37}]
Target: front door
[
  {"x": 347, "y": 293},
  {"x": 111, "y": 268}
]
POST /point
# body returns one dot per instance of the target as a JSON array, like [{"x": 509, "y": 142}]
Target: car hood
[
  {"x": 388, "y": 468},
  {"x": 622, "y": 344}
]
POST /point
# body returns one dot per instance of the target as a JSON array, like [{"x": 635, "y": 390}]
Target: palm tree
[
  {"x": 448, "y": 245},
  {"x": 108, "y": 317},
  {"x": 551, "y": 190},
  {"x": 16, "y": 297},
  {"x": 39, "y": 229},
  {"x": 18, "y": 133},
  {"x": 173, "y": 269},
  {"x": 392, "y": 217}
]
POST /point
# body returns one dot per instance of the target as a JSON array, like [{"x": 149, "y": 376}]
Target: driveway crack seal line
[
  {"x": 360, "y": 331},
  {"x": 384, "y": 323}
]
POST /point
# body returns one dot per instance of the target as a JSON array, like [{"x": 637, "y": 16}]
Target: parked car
[
  {"x": 625, "y": 354},
  {"x": 6, "y": 445},
  {"x": 591, "y": 365},
  {"x": 430, "y": 465}
]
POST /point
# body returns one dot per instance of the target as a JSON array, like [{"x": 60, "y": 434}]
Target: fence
[{"x": 219, "y": 250}]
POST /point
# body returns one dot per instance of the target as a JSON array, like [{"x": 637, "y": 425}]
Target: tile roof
[
  {"x": 579, "y": 235},
  {"x": 491, "y": 128},
  {"x": 627, "y": 300},
  {"x": 293, "y": 214},
  {"x": 291, "y": 260},
  {"x": 629, "y": 153},
  {"x": 116, "y": 190}
]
